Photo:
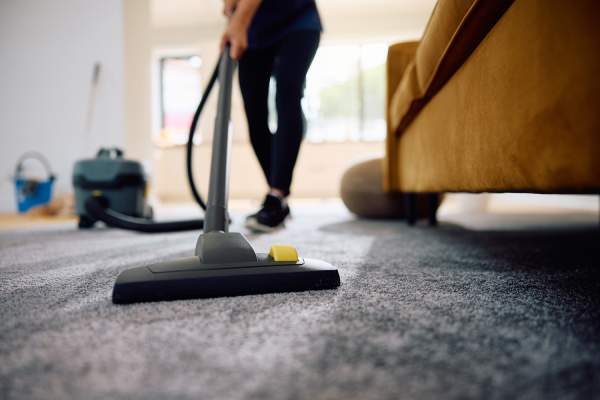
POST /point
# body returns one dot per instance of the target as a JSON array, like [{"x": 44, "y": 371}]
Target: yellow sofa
[{"x": 497, "y": 96}]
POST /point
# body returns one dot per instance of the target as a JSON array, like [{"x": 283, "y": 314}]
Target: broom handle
[{"x": 216, "y": 217}]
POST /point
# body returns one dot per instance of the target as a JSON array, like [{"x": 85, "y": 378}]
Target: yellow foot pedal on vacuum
[{"x": 283, "y": 253}]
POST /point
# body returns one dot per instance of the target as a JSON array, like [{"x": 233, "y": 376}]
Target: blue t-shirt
[{"x": 276, "y": 18}]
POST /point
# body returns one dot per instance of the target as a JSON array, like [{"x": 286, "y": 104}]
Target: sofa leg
[
  {"x": 432, "y": 206},
  {"x": 410, "y": 201}
]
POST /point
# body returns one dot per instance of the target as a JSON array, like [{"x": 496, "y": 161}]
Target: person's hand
[
  {"x": 237, "y": 36},
  {"x": 240, "y": 14},
  {"x": 228, "y": 7}
]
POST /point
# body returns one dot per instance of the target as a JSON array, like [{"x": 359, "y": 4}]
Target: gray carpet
[{"x": 422, "y": 313}]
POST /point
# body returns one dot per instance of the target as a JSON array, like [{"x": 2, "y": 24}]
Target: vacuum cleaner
[
  {"x": 224, "y": 263},
  {"x": 112, "y": 189}
]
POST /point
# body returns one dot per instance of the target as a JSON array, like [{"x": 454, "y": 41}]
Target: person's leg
[
  {"x": 295, "y": 55},
  {"x": 254, "y": 74}
]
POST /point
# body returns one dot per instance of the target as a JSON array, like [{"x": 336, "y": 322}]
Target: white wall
[{"x": 48, "y": 49}]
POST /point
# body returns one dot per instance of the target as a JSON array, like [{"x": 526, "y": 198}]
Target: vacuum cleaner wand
[
  {"x": 216, "y": 217},
  {"x": 224, "y": 263}
]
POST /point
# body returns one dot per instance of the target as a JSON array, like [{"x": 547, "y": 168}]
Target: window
[
  {"x": 180, "y": 91},
  {"x": 344, "y": 96},
  {"x": 345, "y": 93}
]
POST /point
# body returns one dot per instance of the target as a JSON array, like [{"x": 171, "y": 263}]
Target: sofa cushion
[
  {"x": 443, "y": 24},
  {"x": 454, "y": 29}
]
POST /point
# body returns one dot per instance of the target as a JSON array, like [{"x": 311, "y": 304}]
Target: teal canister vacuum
[{"x": 224, "y": 263}]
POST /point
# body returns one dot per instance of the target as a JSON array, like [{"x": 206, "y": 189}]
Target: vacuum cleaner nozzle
[{"x": 188, "y": 279}]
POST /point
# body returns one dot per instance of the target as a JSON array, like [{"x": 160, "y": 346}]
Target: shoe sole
[{"x": 256, "y": 226}]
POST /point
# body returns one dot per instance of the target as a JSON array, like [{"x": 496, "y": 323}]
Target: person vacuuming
[{"x": 279, "y": 39}]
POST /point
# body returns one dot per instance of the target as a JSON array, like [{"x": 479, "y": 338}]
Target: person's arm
[{"x": 237, "y": 28}]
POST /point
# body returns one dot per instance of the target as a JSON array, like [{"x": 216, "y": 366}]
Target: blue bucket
[{"x": 32, "y": 192}]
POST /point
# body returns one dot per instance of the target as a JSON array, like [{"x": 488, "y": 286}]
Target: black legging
[{"x": 287, "y": 61}]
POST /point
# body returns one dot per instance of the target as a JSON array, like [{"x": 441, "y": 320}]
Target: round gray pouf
[{"x": 362, "y": 192}]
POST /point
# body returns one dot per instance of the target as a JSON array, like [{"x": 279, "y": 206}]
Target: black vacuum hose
[
  {"x": 97, "y": 209},
  {"x": 190, "y": 142}
]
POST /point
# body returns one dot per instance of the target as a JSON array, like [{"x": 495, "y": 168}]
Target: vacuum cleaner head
[{"x": 188, "y": 278}]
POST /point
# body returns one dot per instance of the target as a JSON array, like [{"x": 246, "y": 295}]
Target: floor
[
  {"x": 484, "y": 306},
  {"x": 11, "y": 221}
]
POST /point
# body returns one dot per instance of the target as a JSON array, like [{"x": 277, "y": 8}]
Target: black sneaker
[{"x": 270, "y": 217}]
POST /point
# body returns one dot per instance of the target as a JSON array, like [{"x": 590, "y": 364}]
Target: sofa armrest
[{"x": 399, "y": 57}]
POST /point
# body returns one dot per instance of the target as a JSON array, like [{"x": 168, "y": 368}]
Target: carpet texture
[{"x": 422, "y": 313}]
